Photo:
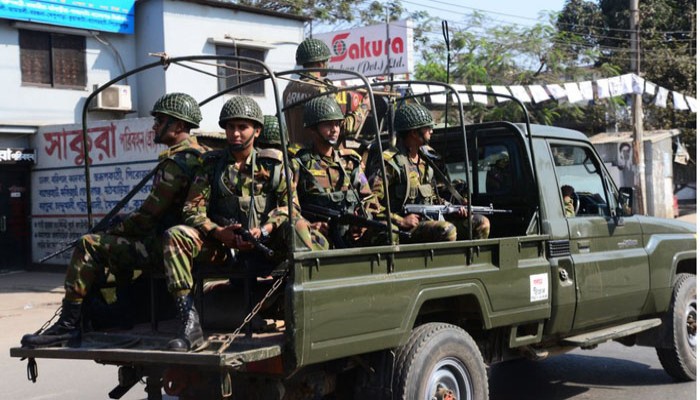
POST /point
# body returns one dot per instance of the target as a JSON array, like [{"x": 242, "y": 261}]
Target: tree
[{"x": 668, "y": 49}]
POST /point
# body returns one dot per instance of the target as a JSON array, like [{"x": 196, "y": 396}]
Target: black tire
[
  {"x": 680, "y": 361},
  {"x": 440, "y": 356}
]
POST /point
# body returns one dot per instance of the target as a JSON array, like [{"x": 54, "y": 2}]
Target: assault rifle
[
  {"x": 437, "y": 212},
  {"x": 245, "y": 234},
  {"x": 315, "y": 213}
]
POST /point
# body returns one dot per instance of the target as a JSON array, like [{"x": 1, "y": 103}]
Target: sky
[{"x": 521, "y": 12}]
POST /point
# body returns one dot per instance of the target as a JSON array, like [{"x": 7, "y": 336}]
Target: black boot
[
  {"x": 65, "y": 331},
  {"x": 189, "y": 335}
]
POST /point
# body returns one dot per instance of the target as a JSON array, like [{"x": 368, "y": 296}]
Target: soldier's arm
[
  {"x": 194, "y": 211},
  {"x": 280, "y": 214},
  {"x": 170, "y": 181},
  {"x": 378, "y": 191}
]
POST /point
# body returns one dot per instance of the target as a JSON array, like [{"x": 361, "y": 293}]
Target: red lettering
[{"x": 339, "y": 47}]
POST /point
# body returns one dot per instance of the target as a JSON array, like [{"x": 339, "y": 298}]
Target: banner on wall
[
  {"x": 121, "y": 153},
  {"x": 372, "y": 50}
]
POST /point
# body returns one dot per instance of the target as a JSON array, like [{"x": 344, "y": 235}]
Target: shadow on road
[{"x": 567, "y": 376}]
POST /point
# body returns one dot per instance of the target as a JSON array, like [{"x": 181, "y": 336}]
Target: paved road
[{"x": 610, "y": 372}]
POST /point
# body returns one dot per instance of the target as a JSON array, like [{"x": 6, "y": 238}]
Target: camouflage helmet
[
  {"x": 270, "y": 134},
  {"x": 412, "y": 116},
  {"x": 321, "y": 109},
  {"x": 312, "y": 50},
  {"x": 179, "y": 105},
  {"x": 242, "y": 107}
]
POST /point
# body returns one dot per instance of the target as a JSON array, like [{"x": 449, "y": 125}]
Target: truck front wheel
[
  {"x": 679, "y": 360},
  {"x": 440, "y": 361}
]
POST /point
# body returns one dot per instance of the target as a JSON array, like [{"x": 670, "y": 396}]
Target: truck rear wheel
[
  {"x": 680, "y": 361},
  {"x": 440, "y": 361}
]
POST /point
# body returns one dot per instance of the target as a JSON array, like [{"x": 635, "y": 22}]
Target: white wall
[
  {"x": 31, "y": 105},
  {"x": 188, "y": 26},
  {"x": 176, "y": 27}
]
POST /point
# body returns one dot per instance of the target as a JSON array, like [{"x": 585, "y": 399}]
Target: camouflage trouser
[
  {"x": 432, "y": 231},
  {"x": 184, "y": 246},
  {"x": 119, "y": 255},
  {"x": 481, "y": 227}
]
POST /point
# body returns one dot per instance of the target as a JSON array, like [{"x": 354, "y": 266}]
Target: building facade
[{"x": 48, "y": 70}]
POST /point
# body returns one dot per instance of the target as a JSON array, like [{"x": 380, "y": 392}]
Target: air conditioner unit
[{"x": 113, "y": 98}]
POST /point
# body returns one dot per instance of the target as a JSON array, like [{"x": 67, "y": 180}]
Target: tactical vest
[
  {"x": 343, "y": 197},
  {"x": 401, "y": 193},
  {"x": 251, "y": 210}
]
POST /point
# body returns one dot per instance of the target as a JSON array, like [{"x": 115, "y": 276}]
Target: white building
[{"x": 47, "y": 71}]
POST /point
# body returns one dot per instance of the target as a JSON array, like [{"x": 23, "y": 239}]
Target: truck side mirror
[{"x": 625, "y": 201}]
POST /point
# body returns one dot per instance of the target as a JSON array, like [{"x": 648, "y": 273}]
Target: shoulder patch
[
  {"x": 273, "y": 154},
  {"x": 293, "y": 149},
  {"x": 388, "y": 154},
  {"x": 350, "y": 153}
]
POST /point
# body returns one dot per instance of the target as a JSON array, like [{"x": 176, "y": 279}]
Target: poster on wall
[
  {"x": 121, "y": 153},
  {"x": 372, "y": 50}
]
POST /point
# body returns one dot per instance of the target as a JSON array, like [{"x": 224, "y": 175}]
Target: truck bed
[{"x": 143, "y": 346}]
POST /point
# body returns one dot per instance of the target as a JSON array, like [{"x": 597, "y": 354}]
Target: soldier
[
  {"x": 136, "y": 241},
  {"x": 242, "y": 184},
  {"x": 567, "y": 194},
  {"x": 411, "y": 181},
  {"x": 313, "y": 53},
  {"x": 499, "y": 179},
  {"x": 270, "y": 136},
  {"x": 333, "y": 178}
]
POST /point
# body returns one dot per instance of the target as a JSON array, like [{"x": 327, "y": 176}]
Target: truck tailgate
[{"x": 126, "y": 348}]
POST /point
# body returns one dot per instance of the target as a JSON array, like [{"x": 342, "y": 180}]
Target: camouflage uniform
[
  {"x": 136, "y": 241},
  {"x": 411, "y": 183},
  {"x": 339, "y": 183},
  {"x": 224, "y": 191}
]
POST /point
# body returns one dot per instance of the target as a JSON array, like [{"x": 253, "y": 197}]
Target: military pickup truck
[{"x": 424, "y": 321}]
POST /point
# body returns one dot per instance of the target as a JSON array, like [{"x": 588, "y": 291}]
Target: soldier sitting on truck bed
[
  {"x": 411, "y": 181},
  {"x": 313, "y": 53},
  {"x": 334, "y": 179},
  {"x": 239, "y": 199},
  {"x": 136, "y": 241}
]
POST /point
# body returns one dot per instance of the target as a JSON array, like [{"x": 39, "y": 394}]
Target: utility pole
[{"x": 640, "y": 186}]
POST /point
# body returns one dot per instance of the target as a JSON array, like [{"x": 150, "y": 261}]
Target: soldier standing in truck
[
  {"x": 136, "y": 241},
  {"x": 313, "y": 53}
]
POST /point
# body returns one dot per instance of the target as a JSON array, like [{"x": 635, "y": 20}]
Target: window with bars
[
  {"x": 236, "y": 72},
  {"x": 52, "y": 59}
]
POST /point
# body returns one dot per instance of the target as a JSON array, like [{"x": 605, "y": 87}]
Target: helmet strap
[
  {"x": 238, "y": 147},
  {"x": 163, "y": 130}
]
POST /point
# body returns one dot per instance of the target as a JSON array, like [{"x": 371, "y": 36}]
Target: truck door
[{"x": 610, "y": 264}]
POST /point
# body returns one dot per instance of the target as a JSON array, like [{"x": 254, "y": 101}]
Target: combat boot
[
  {"x": 65, "y": 331},
  {"x": 189, "y": 335}
]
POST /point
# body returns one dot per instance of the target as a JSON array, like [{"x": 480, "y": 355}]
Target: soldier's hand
[
  {"x": 226, "y": 235},
  {"x": 410, "y": 221},
  {"x": 321, "y": 227},
  {"x": 242, "y": 244},
  {"x": 462, "y": 212}
]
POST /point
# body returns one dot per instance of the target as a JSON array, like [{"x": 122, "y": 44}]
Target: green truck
[{"x": 423, "y": 321}]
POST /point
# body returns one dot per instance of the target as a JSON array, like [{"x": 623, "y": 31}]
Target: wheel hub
[
  {"x": 449, "y": 380},
  {"x": 691, "y": 323}
]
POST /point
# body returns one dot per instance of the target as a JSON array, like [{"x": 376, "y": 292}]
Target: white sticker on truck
[{"x": 539, "y": 287}]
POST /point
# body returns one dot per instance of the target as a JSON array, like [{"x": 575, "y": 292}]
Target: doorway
[{"x": 14, "y": 218}]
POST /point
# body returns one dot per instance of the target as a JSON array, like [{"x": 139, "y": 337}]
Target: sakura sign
[{"x": 372, "y": 50}]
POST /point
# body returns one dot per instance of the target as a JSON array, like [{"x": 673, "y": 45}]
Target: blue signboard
[{"x": 97, "y": 15}]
